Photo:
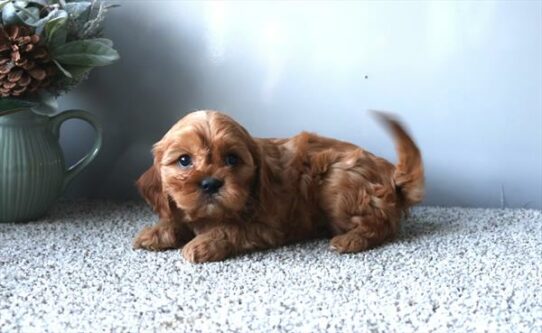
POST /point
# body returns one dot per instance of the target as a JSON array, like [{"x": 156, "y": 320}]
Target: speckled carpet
[{"x": 451, "y": 269}]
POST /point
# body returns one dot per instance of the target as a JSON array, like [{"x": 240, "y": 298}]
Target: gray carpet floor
[{"x": 451, "y": 269}]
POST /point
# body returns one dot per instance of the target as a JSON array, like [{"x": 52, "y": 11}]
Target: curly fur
[{"x": 281, "y": 191}]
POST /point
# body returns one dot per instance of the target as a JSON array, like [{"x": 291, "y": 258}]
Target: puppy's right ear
[{"x": 150, "y": 188}]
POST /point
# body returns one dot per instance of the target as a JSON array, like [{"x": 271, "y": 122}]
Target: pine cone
[{"x": 25, "y": 66}]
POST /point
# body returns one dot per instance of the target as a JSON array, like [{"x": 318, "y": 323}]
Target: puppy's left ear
[{"x": 150, "y": 188}]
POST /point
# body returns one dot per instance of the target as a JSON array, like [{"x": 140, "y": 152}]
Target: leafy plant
[{"x": 70, "y": 35}]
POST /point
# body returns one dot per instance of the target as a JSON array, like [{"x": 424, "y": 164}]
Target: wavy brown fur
[{"x": 281, "y": 191}]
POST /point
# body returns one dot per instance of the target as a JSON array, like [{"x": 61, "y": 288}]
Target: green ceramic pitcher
[{"x": 32, "y": 170}]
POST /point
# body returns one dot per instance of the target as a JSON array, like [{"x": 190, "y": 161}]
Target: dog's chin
[
  {"x": 211, "y": 207},
  {"x": 208, "y": 207}
]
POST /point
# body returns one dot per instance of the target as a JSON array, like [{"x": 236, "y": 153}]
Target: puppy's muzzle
[{"x": 211, "y": 185}]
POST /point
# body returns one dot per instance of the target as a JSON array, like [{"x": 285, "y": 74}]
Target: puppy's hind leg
[
  {"x": 162, "y": 236},
  {"x": 360, "y": 218},
  {"x": 366, "y": 232}
]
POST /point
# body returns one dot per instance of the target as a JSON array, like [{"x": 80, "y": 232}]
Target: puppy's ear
[
  {"x": 264, "y": 173},
  {"x": 150, "y": 188}
]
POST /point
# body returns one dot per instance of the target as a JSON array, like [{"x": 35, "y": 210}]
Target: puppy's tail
[{"x": 409, "y": 174}]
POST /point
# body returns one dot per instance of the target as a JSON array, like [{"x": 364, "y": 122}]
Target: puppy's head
[{"x": 205, "y": 165}]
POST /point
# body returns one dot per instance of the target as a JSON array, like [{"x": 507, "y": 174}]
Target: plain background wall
[{"x": 466, "y": 77}]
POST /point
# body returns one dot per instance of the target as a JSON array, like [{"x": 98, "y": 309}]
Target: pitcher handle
[{"x": 58, "y": 120}]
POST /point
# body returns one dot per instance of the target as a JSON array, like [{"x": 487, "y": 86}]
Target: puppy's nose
[{"x": 211, "y": 185}]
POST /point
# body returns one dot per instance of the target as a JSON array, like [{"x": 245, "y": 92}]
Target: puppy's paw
[
  {"x": 155, "y": 238},
  {"x": 203, "y": 249},
  {"x": 348, "y": 243}
]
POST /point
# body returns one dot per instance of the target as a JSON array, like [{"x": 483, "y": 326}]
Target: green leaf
[
  {"x": 8, "y": 105},
  {"x": 86, "y": 53},
  {"x": 76, "y": 9},
  {"x": 9, "y": 14},
  {"x": 56, "y": 30},
  {"x": 62, "y": 69},
  {"x": 3, "y": 3},
  {"x": 20, "y": 3},
  {"x": 30, "y": 16},
  {"x": 105, "y": 41},
  {"x": 39, "y": 2},
  {"x": 54, "y": 14},
  {"x": 78, "y": 72}
]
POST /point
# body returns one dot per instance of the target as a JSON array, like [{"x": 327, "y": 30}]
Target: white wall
[{"x": 465, "y": 76}]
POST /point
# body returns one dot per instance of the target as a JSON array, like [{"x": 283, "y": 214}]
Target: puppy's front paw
[
  {"x": 203, "y": 249},
  {"x": 348, "y": 243},
  {"x": 155, "y": 238}
]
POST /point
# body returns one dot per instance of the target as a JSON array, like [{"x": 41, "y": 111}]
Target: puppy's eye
[
  {"x": 185, "y": 161},
  {"x": 231, "y": 160}
]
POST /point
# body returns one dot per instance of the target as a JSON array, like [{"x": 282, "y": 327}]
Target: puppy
[{"x": 219, "y": 192}]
